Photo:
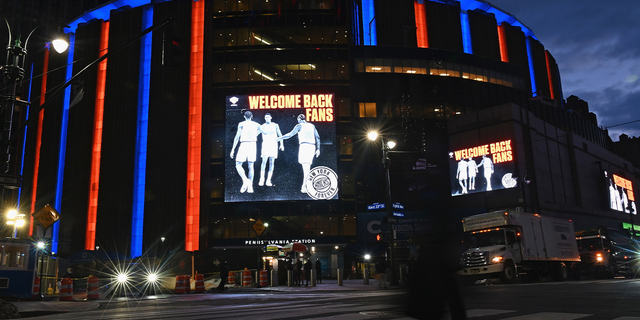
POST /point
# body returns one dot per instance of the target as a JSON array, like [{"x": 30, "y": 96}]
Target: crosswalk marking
[{"x": 550, "y": 316}]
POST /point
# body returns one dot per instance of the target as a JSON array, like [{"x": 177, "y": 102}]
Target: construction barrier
[
  {"x": 246, "y": 278},
  {"x": 66, "y": 289},
  {"x": 231, "y": 280},
  {"x": 180, "y": 284},
  {"x": 36, "y": 288},
  {"x": 263, "y": 278},
  {"x": 199, "y": 283},
  {"x": 93, "y": 288},
  {"x": 187, "y": 283}
]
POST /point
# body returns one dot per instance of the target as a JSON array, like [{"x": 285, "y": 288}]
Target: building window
[
  {"x": 346, "y": 146},
  {"x": 368, "y": 110}
]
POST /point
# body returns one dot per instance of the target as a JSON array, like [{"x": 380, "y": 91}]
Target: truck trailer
[{"x": 511, "y": 243}]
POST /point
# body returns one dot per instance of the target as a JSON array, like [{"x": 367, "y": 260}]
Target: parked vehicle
[
  {"x": 606, "y": 253},
  {"x": 506, "y": 244}
]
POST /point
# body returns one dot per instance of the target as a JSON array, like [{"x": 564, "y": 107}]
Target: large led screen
[
  {"x": 280, "y": 147},
  {"x": 482, "y": 168},
  {"x": 621, "y": 196}
]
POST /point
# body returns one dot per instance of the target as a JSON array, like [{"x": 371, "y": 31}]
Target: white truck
[{"x": 506, "y": 244}]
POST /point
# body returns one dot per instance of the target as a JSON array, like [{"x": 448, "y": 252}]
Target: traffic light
[
  {"x": 382, "y": 237},
  {"x": 172, "y": 49}
]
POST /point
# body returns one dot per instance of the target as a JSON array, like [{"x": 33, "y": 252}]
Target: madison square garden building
[{"x": 155, "y": 141}]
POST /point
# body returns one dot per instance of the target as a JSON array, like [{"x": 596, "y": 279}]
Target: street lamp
[
  {"x": 16, "y": 220},
  {"x": 386, "y": 147},
  {"x": 41, "y": 246}
]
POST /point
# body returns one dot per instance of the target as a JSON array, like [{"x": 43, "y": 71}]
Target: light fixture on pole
[
  {"x": 16, "y": 220},
  {"x": 386, "y": 147}
]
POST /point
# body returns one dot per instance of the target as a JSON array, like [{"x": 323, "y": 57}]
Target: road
[{"x": 617, "y": 299}]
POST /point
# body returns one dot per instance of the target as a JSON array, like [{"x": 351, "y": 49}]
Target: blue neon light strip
[
  {"x": 24, "y": 139},
  {"x": 534, "y": 90},
  {"x": 466, "y": 33},
  {"x": 63, "y": 141},
  {"x": 369, "y": 23},
  {"x": 357, "y": 29},
  {"x": 139, "y": 178},
  {"x": 501, "y": 16},
  {"x": 104, "y": 12}
]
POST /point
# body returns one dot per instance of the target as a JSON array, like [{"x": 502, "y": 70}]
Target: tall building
[{"x": 159, "y": 144}]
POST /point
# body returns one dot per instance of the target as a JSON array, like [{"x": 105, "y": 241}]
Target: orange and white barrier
[
  {"x": 66, "y": 289},
  {"x": 246, "y": 278},
  {"x": 36, "y": 288},
  {"x": 187, "y": 283},
  {"x": 232, "y": 278},
  {"x": 199, "y": 283},
  {"x": 180, "y": 284},
  {"x": 263, "y": 278},
  {"x": 93, "y": 288}
]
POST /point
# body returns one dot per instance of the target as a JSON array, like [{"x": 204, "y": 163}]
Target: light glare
[{"x": 372, "y": 135}]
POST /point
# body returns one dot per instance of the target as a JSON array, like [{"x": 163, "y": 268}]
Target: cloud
[{"x": 596, "y": 46}]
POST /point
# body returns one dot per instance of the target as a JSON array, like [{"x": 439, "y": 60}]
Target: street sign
[
  {"x": 376, "y": 206},
  {"x": 46, "y": 216},
  {"x": 10, "y": 181},
  {"x": 389, "y": 220},
  {"x": 398, "y": 214},
  {"x": 258, "y": 227},
  {"x": 398, "y": 205}
]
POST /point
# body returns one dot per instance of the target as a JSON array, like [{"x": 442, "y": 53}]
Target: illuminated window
[{"x": 368, "y": 110}]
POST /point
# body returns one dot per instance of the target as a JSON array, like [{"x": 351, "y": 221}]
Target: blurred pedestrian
[
  {"x": 297, "y": 272},
  {"x": 307, "y": 272},
  {"x": 318, "y": 270},
  {"x": 381, "y": 270},
  {"x": 224, "y": 274}
]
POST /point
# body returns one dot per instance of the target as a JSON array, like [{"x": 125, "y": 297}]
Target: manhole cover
[{"x": 382, "y": 313}]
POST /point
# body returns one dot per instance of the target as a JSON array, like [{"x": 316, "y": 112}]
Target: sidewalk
[{"x": 53, "y": 305}]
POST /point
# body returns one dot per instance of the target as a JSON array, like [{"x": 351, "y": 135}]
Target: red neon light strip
[
  {"x": 36, "y": 162},
  {"x": 421, "y": 25},
  {"x": 194, "y": 147},
  {"x": 502, "y": 39},
  {"x": 92, "y": 214},
  {"x": 546, "y": 57}
]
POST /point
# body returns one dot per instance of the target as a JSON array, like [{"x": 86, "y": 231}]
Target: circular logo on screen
[
  {"x": 508, "y": 181},
  {"x": 322, "y": 183}
]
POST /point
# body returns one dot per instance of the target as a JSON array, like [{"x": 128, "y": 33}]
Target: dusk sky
[{"x": 597, "y": 47}]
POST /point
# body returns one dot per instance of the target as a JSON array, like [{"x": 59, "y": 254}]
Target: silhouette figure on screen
[
  {"x": 472, "y": 167},
  {"x": 271, "y": 132},
  {"x": 309, "y": 140},
  {"x": 462, "y": 175},
  {"x": 487, "y": 168},
  {"x": 247, "y": 136}
]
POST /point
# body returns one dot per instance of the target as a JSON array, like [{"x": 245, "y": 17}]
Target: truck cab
[
  {"x": 493, "y": 251},
  {"x": 606, "y": 253}
]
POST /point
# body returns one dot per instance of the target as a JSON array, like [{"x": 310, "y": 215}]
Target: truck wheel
[{"x": 508, "y": 273}]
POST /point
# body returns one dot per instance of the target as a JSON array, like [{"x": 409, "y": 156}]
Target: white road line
[{"x": 550, "y": 316}]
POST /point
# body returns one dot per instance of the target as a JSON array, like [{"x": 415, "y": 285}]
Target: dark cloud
[{"x": 597, "y": 48}]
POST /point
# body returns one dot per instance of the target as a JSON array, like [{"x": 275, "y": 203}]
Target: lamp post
[
  {"x": 41, "y": 246},
  {"x": 386, "y": 147}
]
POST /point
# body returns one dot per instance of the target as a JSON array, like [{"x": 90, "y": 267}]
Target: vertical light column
[
  {"x": 466, "y": 33},
  {"x": 421, "y": 24},
  {"x": 36, "y": 162},
  {"x": 194, "y": 147},
  {"x": 63, "y": 141},
  {"x": 502, "y": 39},
  {"x": 92, "y": 214},
  {"x": 369, "y": 23},
  {"x": 140, "y": 169},
  {"x": 532, "y": 76},
  {"x": 549, "y": 77}
]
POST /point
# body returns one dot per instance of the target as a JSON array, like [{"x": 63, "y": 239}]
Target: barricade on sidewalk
[
  {"x": 187, "y": 283},
  {"x": 36, "y": 288},
  {"x": 180, "y": 284},
  {"x": 263, "y": 278},
  {"x": 199, "y": 283},
  {"x": 246, "y": 278},
  {"x": 66, "y": 289},
  {"x": 231, "y": 279},
  {"x": 93, "y": 288}
]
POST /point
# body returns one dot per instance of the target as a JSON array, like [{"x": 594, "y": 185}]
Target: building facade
[{"x": 144, "y": 145}]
